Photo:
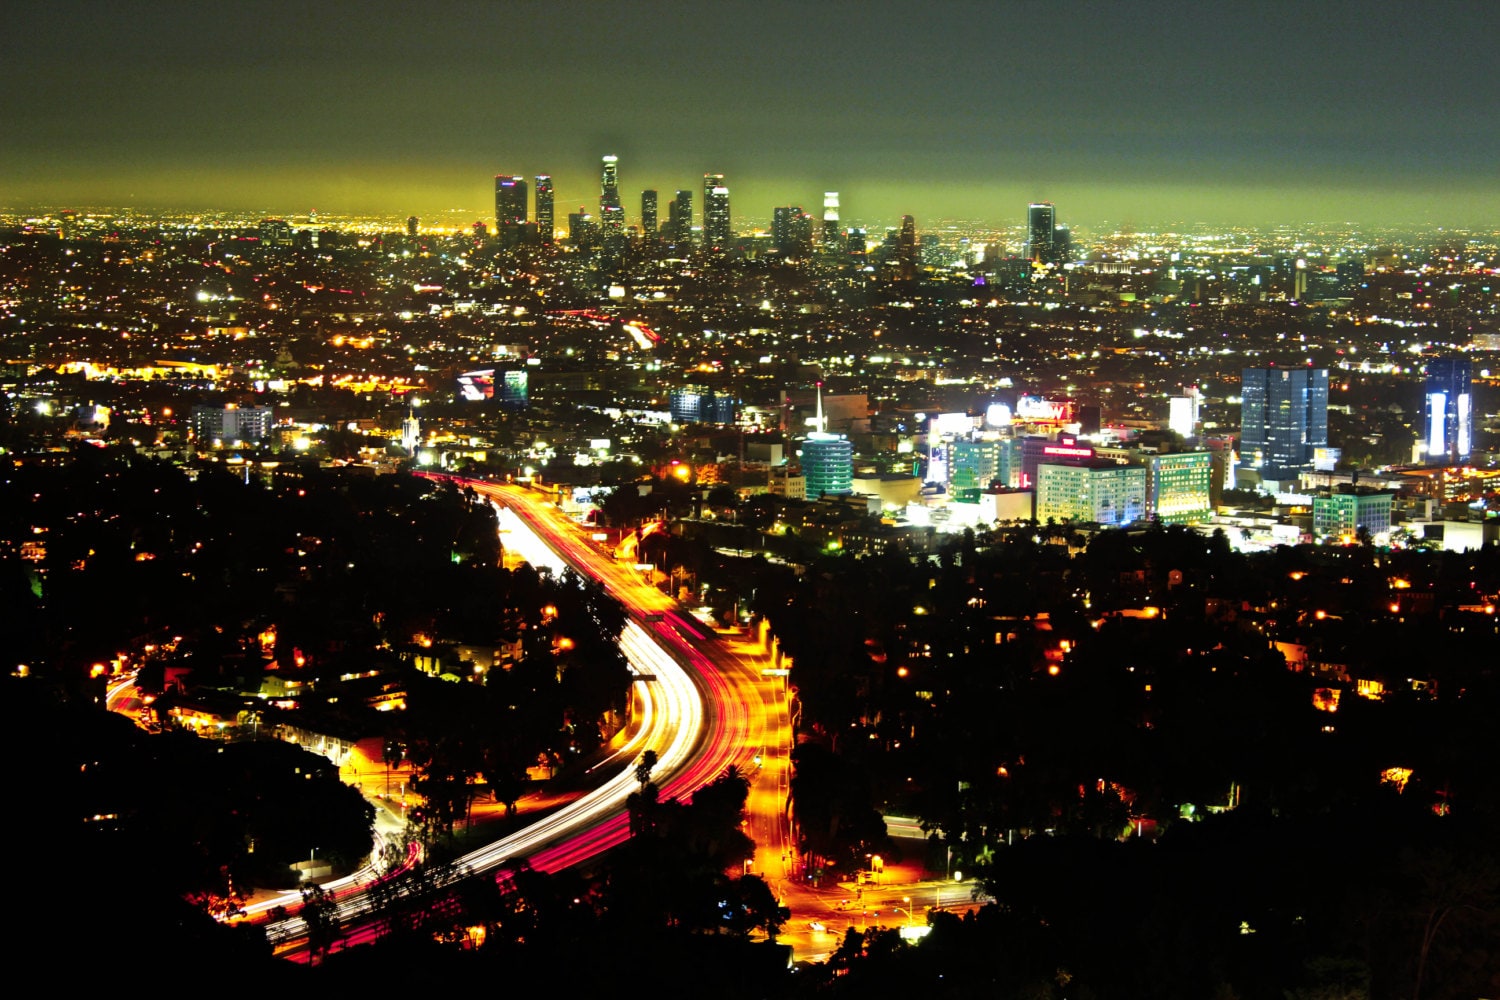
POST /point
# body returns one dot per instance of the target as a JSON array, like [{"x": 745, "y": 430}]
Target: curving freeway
[
  {"x": 700, "y": 705},
  {"x": 746, "y": 713}
]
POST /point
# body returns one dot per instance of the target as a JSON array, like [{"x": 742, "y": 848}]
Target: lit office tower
[
  {"x": 791, "y": 231},
  {"x": 544, "y": 219},
  {"x": 906, "y": 249},
  {"x": 1041, "y": 233},
  {"x": 611, "y": 212},
  {"x": 680, "y": 217},
  {"x": 832, "y": 237},
  {"x": 1283, "y": 419},
  {"x": 1448, "y": 404},
  {"x": 715, "y": 212},
  {"x": 855, "y": 243},
  {"x": 510, "y": 203},
  {"x": 411, "y": 226},
  {"x": 648, "y": 214},
  {"x": 583, "y": 229}
]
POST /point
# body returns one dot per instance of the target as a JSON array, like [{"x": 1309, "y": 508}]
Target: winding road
[{"x": 702, "y": 706}]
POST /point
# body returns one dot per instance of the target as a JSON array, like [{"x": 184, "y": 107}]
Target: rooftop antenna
[{"x": 819, "y": 419}]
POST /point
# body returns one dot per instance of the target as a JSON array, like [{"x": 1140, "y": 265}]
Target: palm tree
[{"x": 644, "y": 768}]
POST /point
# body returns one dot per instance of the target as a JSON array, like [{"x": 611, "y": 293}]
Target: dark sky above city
[{"x": 1144, "y": 113}]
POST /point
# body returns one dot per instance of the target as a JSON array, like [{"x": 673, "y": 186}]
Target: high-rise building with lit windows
[
  {"x": 791, "y": 230},
  {"x": 545, "y": 224},
  {"x": 611, "y": 211},
  {"x": 648, "y": 214},
  {"x": 974, "y": 465},
  {"x": 680, "y": 218},
  {"x": 1097, "y": 492},
  {"x": 907, "y": 263},
  {"x": 1178, "y": 487},
  {"x": 1448, "y": 411},
  {"x": 216, "y": 426},
  {"x": 832, "y": 237},
  {"x": 1283, "y": 419},
  {"x": 510, "y": 203},
  {"x": 716, "y": 231},
  {"x": 1041, "y": 226}
]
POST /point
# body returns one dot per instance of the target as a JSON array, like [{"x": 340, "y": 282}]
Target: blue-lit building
[
  {"x": 694, "y": 405},
  {"x": 1448, "y": 409},
  {"x": 512, "y": 389},
  {"x": 1283, "y": 419},
  {"x": 827, "y": 465}
]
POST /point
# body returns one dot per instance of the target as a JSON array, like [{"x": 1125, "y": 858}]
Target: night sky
[{"x": 1137, "y": 113}]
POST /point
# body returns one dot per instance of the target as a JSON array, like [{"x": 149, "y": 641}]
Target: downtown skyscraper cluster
[{"x": 513, "y": 227}]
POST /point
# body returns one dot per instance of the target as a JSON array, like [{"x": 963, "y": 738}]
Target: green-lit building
[
  {"x": 1099, "y": 492},
  {"x": 828, "y": 464},
  {"x": 1347, "y": 509},
  {"x": 1179, "y": 486},
  {"x": 973, "y": 465}
]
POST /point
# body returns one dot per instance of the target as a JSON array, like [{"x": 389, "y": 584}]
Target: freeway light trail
[{"x": 672, "y": 716}]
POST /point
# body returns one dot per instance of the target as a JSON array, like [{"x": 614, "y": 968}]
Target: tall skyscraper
[
  {"x": 611, "y": 212},
  {"x": 1041, "y": 231},
  {"x": 1283, "y": 419},
  {"x": 680, "y": 217},
  {"x": 648, "y": 214},
  {"x": 583, "y": 229},
  {"x": 907, "y": 261},
  {"x": 411, "y": 226},
  {"x": 855, "y": 242},
  {"x": 1448, "y": 405},
  {"x": 545, "y": 227},
  {"x": 832, "y": 236},
  {"x": 716, "y": 232},
  {"x": 510, "y": 204},
  {"x": 791, "y": 230}
]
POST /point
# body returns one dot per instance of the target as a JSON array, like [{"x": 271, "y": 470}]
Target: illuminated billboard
[
  {"x": 950, "y": 424},
  {"x": 511, "y": 386},
  {"x": 1036, "y": 410},
  {"x": 477, "y": 386}
]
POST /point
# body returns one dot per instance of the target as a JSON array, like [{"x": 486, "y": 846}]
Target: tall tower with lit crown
[
  {"x": 611, "y": 212},
  {"x": 833, "y": 239},
  {"x": 716, "y": 233}
]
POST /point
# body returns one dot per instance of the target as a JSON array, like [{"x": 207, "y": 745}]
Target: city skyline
[{"x": 1151, "y": 115}]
